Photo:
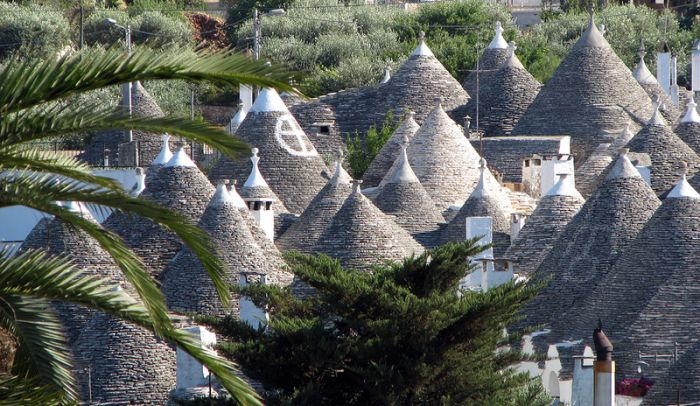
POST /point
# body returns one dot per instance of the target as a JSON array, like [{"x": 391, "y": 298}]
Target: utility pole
[{"x": 256, "y": 34}]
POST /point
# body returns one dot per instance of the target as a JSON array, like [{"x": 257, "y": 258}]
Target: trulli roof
[
  {"x": 291, "y": 165},
  {"x": 361, "y": 236}
]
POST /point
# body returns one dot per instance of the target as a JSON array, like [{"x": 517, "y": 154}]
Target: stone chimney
[
  {"x": 675, "y": 90},
  {"x": 603, "y": 369},
  {"x": 663, "y": 67},
  {"x": 479, "y": 227},
  {"x": 695, "y": 67},
  {"x": 517, "y": 221}
]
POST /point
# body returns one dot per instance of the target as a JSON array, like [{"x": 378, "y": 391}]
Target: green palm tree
[{"x": 33, "y": 97}]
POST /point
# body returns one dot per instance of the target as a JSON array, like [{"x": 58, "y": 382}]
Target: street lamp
[
  {"x": 257, "y": 27},
  {"x": 126, "y": 87}
]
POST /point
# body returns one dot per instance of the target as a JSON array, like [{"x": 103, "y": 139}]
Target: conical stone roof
[
  {"x": 669, "y": 315},
  {"x": 590, "y": 244},
  {"x": 361, "y": 236},
  {"x": 542, "y": 229},
  {"x": 304, "y": 233},
  {"x": 128, "y": 364},
  {"x": 504, "y": 96},
  {"x": 491, "y": 60},
  {"x": 483, "y": 202},
  {"x": 444, "y": 160},
  {"x": 292, "y": 166},
  {"x": 667, "y": 152},
  {"x": 256, "y": 187},
  {"x": 179, "y": 186},
  {"x": 650, "y": 85},
  {"x": 54, "y": 237},
  {"x": 419, "y": 84},
  {"x": 404, "y": 198},
  {"x": 688, "y": 129},
  {"x": 390, "y": 151},
  {"x": 143, "y": 105},
  {"x": 680, "y": 383},
  {"x": 272, "y": 254},
  {"x": 186, "y": 284},
  {"x": 591, "y": 91},
  {"x": 659, "y": 260}
]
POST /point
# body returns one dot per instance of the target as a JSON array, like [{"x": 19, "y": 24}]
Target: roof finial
[
  {"x": 356, "y": 185},
  {"x": 642, "y": 50},
  {"x": 656, "y": 118},
  {"x": 387, "y": 75},
  {"x": 601, "y": 28},
  {"x": 624, "y": 151},
  {"x": 683, "y": 188},
  {"x": 511, "y": 48},
  {"x": 255, "y": 178},
  {"x": 164, "y": 155},
  {"x": 421, "y": 36},
  {"x": 498, "y": 42},
  {"x": 422, "y": 48},
  {"x": 180, "y": 157},
  {"x": 410, "y": 114},
  {"x": 590, "y": 14},
  {"x": 691, "y": 113}
]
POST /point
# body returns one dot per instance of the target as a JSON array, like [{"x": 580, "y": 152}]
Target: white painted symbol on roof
[{"x": 287, "y": 132}]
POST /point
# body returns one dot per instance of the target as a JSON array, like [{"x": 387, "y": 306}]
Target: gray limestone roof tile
[
  {"x": 404, "y": 198},
  {"x": 419, "y": 84},
  {"x": 608, "y": 222},
  {"x": 645, "y": 298},
  {"x": 186, "y": 284},
  {"x": 58, "y": 239},
  {"x": 542, "y": 230},
  {"x": 289, "y": 162},
  {"x": 505, "y": 93},
  {"x": 483, "y": 202},
  {"x": 680, "y": 383},
  {"x": 592, "y": 91},
  {"x": 184, "y": 190},
  {"x": 304, "y": 233},
  {"x": 444, "y": 160},
  {"x": 667, "y": 152},
  {"x": 128, "y": 364},
  {"x": 386, "y": 157},
  {"x": 143, "y": 105},
  {"x": 360, "y": 236}
]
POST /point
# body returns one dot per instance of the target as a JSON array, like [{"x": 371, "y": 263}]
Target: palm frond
[
  {"x": 30, "y": 83},
  {"x": 41, "y": 191},
  {"x": 26, "y": 391},
  {"x": 33, "y": 273},
  {"x": 42, "y": 352},
  {"x": 42, "y": 123},
  {"x": 23, "y": 160}
]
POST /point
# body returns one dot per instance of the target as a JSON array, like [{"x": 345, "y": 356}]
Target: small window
[
  {"x": 527, "y": 163},
  {"x": 538, "y": 162},
  {"x": 324, "y": 129}
]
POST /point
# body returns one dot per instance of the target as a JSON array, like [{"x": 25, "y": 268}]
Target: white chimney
[
  {"x": 552, "y": 367},
  {"x": 663, "y": 68},
  {"x": 695, "y": 67},
  {"x": 517, "y": 221},
  {"x": 675, "y": 91},
  {"x": 249, "y": 312},
  {"x": 245, "y": 94},
  {"x": 260, "y": 207},
  {"x": 582, "y": 386},
  {"x": 479, "y": 227},
  {"x": 552, "y": 169},
  {"x": 190, "y": 373}
]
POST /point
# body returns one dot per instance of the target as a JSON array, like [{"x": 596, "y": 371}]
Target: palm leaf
[
  {"x": 42, "y": 123},
  {"x": 34, "y": 274},
  {"x": 26, "y": 391},
  {"x": 41, "y": 191},
  {"x": 30, "y": 83},
  {"x": 42, "y": 351}
]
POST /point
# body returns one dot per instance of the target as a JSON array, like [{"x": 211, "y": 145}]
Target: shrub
[
  {"x": 31, "y": 31},
  {"x": 362, "y": 150},
  {"x": 150, "y": 27}
]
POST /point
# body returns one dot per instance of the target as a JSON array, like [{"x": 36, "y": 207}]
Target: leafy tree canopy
[{"x": 402, "y": 334}]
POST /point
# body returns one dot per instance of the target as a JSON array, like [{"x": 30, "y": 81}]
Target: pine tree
[{"x": 403, "y": 334}]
